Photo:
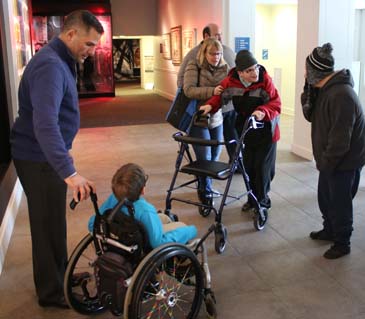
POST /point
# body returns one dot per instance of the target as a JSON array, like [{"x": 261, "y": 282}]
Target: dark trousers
[
  {"x": 336, "y": 191},
  {"x": 259, "y": 162},
  {"x": 230, "y": 132},
  {"x": 46, "y": 197}
]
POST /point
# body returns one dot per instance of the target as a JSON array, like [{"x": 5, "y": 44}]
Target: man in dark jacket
[
  {"x": 41, "y": 139},
  {"x": 338, "y": 140}
]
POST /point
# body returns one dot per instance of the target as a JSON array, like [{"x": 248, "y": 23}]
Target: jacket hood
[{"x": 340, "y": 77}]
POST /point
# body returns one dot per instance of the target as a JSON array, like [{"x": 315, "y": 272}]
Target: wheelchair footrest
[{"x": 213, "y": 169}]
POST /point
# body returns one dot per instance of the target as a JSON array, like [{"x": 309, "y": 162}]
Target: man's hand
[
  {"x": 259, "y": 115},
  {"x": 205, "y": 108},
  {"x": 80, "y": 184}
]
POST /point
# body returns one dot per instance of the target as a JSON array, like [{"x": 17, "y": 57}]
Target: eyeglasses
[
  {"x": 255, "y": 68},
  {"x": 145, "y": 179},
  {"x": 215, "y": 53}
]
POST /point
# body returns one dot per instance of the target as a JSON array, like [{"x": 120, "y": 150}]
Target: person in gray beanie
[{"x": 338, "y": 141}]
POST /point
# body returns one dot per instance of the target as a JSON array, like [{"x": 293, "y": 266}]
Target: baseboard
[
  {"x": 7, "y": 225},
  {"x": 302, "y": 151},
  {"x": 164, "y": 94}
]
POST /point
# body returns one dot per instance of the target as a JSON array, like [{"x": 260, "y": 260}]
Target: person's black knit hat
[
  {"x": 244, "y": 59},
  {"x": 320, "y": 63}
]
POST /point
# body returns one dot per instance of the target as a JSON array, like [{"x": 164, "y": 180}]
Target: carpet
[{"x": 129, "y": 109}]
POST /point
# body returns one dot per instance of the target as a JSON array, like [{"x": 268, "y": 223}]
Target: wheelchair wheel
[
  {"x": 168, "y": 283},
  {"x": 79, "y": 283},
  {"x": 258, "y": 221},
  {"x": 220, "y": 238}
]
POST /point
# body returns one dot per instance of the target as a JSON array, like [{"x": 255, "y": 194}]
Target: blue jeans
[{"x": 207, "y": 152}]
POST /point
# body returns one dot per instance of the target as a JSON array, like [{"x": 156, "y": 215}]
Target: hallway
[{"x": 278, "y": 273}]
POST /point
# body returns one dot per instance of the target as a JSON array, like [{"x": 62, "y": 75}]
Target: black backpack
[
  {"x": 115, "y": 265},
  {"x": 111, "y": 272},
  {"x": 125, "y": 229}
]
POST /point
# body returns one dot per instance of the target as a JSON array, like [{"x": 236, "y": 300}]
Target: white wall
[
  {"x": 276, "y": 28},
  {"x": 328, "y": 21},
  {"x": 308, "y": 19}
]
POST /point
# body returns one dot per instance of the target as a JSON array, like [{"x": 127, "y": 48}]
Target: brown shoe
[{"x": 246, "y": 207}]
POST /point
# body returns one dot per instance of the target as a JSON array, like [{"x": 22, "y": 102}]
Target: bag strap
[
  {"x": 117, "y": 208},
  {"x": 198, "y": 84}
]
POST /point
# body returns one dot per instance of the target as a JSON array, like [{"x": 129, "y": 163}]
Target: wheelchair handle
[{"x": 93, "y": 198}]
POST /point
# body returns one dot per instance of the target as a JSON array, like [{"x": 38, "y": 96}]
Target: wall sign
[
  {"x": 241, "y": 43},
  {"x": 265, "y": 54}
]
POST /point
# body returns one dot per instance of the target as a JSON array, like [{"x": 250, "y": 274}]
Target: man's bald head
[{"x": 212, "y": 30}]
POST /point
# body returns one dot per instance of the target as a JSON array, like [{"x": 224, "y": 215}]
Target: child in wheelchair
[
  {"x": 168, "y": 280},
  {"x": 129, "y": 182}
]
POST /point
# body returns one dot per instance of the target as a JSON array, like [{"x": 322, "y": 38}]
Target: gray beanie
[
  {"x": 244, "y": 59},
  {"x": 319, "y": 64}
]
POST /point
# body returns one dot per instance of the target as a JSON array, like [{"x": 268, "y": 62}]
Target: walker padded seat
[{"x": 213, "y": 169}]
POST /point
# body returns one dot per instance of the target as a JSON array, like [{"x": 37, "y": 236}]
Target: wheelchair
[
  {"x": 170, "y": 281},
  {"x": 216, "y": 170}
]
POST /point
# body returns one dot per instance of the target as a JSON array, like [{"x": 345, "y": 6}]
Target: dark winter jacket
[
  {"x": 338, "y": 123},
  {"x": 261, "y": 95}
]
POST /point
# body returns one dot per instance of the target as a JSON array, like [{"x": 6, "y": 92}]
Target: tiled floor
[{"x": 278, "y": 273}]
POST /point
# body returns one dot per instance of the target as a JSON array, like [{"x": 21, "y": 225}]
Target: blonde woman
[{"x": 201, "y": 81}]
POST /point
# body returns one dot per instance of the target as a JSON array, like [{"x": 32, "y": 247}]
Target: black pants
[
  {"x": 259, "y": 162},
  {"x": 336, "y": 191},
  {"x": 46, "y": 197},
  {"x": 230, "y": 132}
]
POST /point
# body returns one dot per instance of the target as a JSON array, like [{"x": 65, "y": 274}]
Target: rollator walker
[{"x": 186, "y": 164}]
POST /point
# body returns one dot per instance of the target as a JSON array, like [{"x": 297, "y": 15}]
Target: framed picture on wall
[
  {"x": 188, "y": 40},
  {"x": 166, "y": 46},
  {"x": 176, "y": 45}
]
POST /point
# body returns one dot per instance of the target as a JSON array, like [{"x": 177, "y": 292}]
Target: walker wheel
[
  {"x": 258, "y": 221},
  {"x": 204, "y": 211},
  {"x": 220, "y": 238},
  {"x": 172, "y": 216}
]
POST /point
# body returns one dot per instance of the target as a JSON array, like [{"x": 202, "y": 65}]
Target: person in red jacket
[{"x": 252, "y": 92}]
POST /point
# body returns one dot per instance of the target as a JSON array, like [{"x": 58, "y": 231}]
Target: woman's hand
[
  {"x": 218, "y": 90},
  {"x": 205, "y": 108}
]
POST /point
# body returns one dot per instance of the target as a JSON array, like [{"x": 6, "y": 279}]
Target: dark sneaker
[
  {"x": 246, "y": 207},
  {"x": 321, "y": 235},
  {"x": 337, "y": 251}
]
